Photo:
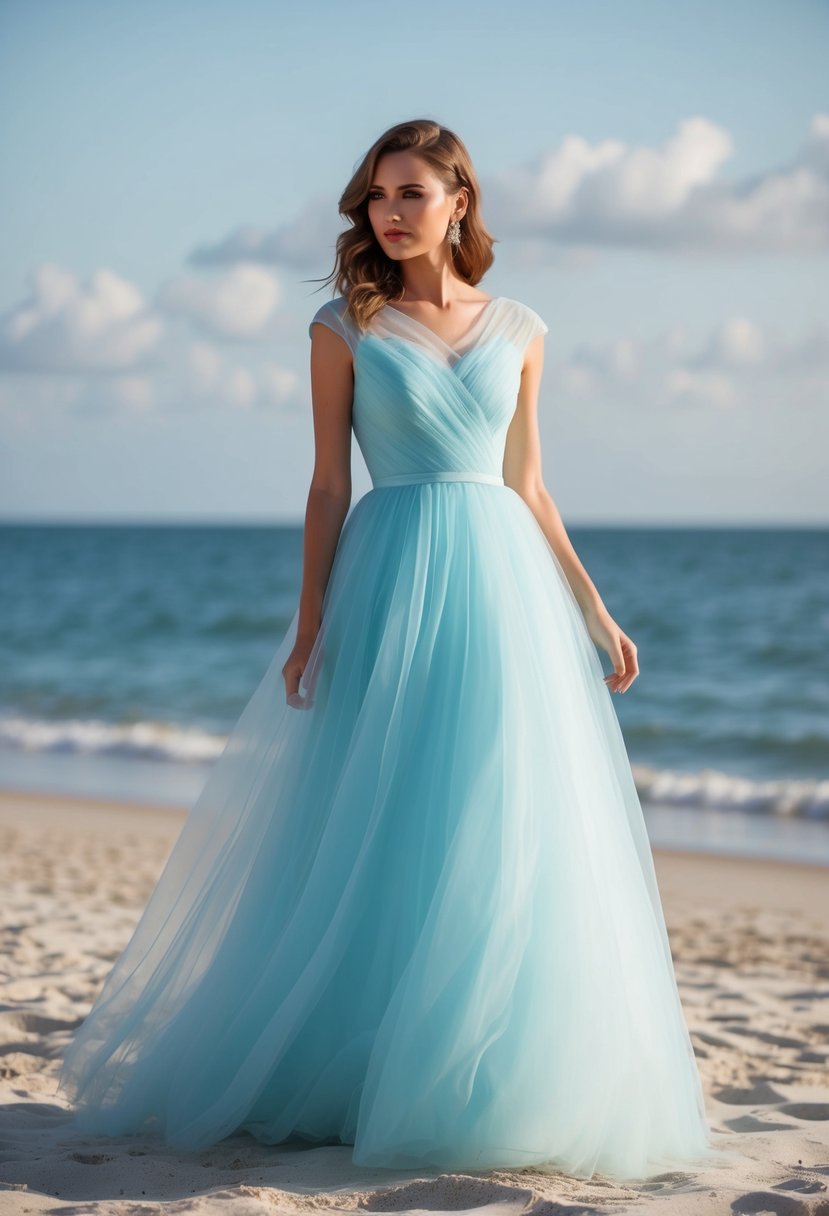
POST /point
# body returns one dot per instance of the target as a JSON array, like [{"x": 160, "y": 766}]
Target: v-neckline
[{"x": 484, "y": 312}]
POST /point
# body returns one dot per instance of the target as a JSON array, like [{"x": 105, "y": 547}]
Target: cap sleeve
[
  {"x": 532, "y": 326},
  {"x": 331, "y": 314},
  {"x": 520, "y": 324}
]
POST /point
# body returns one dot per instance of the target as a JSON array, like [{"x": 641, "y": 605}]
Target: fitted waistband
[{"x": 404, "y": 479}]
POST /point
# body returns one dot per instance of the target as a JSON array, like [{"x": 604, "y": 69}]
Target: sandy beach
[{"x": 750, "y": 941}]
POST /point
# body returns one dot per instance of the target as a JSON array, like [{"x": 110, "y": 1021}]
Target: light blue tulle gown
[{"x": 415, "y": 912}]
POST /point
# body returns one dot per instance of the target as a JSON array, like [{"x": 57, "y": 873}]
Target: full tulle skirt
[{"x": 419, "y": 915}]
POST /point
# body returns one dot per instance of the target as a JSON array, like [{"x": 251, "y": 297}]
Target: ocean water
[{"x": 128, "y": 652}]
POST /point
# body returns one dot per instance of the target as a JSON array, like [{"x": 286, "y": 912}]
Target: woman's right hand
[
  {"x": 623, "y": 652},
  {"x": 295, "y": 665}
]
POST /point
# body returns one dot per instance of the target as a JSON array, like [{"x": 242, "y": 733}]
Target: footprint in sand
[
  {"x": 805, "y": 1110},
  {"x": 747, "y": 1124},
  {"x": 806, "y": 1186},
  {"x": 769, "y": 1204},
  {"x": 757, "y": 1095}
]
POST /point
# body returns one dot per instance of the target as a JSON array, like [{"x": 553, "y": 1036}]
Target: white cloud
[
  {"x": 670, "y": 197},
  {"x": 625, "y": 357},
  {"x": 240, "y": 387},
  {"x": 701, "y": 388},
  {"x": 279, "y": 385},
  {"x": 736, "y": 343},
  {"x": 575, "y": 379},
  {"x": 65, "y": 326},
  {"x": 208, "y": 376},
  {"x": 298, "y": 243},
  {"x": 135, "y": 392},
  {"x": 580, "y": 196},
  {"x": 612, "y": 180},
  {"x": 236, "y": 304},
  {"x": 735, "y": 364},
  {"x": 203, "y": 364}
]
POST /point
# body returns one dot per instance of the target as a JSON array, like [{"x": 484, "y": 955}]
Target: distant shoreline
[{"x": 774, "y": 839}]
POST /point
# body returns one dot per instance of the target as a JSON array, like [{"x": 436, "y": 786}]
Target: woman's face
[{"x": 407, "y": 196}]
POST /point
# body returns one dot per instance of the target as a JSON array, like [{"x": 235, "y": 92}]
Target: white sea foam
[
  {"x": 147, "y": 740},
  {"x": 806, "y": 798}
]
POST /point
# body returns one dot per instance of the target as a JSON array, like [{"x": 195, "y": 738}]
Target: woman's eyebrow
[{"x": 409, "y": 186}]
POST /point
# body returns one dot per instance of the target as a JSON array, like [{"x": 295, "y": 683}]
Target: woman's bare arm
[
  {"x": 329, "y": 497},
  {"x": 523, "y": 473}
]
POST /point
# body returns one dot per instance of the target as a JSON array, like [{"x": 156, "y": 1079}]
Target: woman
[{"x": 422, "y": 918}]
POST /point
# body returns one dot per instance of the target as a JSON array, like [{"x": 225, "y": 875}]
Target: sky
[{"x": 656, "y": 176}]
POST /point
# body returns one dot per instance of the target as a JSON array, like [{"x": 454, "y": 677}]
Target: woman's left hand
[{"x": 606, "y": 633}]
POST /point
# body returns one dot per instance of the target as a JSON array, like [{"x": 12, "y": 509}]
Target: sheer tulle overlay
[{"x": 416, "y": 911}]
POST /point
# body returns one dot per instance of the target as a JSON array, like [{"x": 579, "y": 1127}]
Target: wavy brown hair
[{"x": 362, "y": 271}]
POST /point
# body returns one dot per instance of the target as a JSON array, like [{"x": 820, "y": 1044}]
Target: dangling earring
[{"x": 453, "y": 233}]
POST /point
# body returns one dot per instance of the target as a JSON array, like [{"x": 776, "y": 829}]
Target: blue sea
[{"x": 127, "y": 652}]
